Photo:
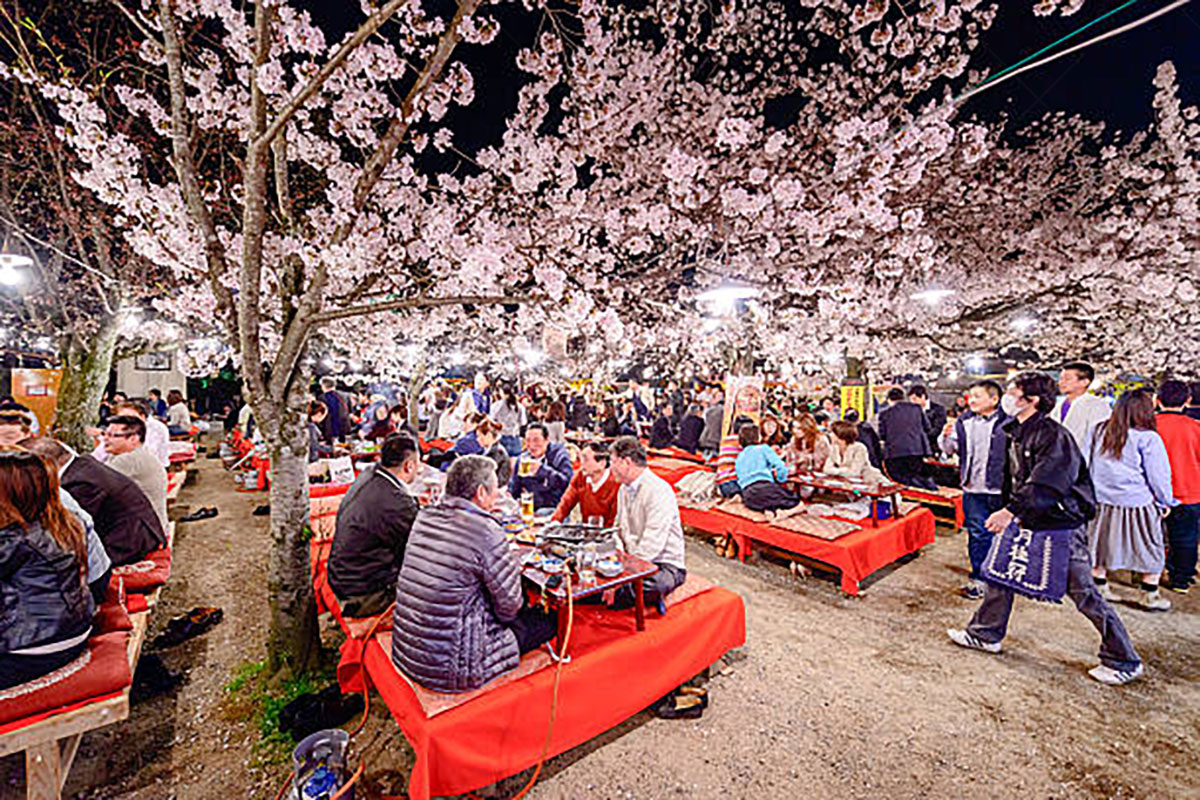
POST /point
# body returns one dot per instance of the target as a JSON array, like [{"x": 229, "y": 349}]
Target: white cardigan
[
  {"x": 855, "y": 463},
  {"x": 1086, "y": 412}
]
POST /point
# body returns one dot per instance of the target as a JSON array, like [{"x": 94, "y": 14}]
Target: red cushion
[
  {"x": 147, "y": 575},
  {"x": 111, "y": 616},
  {"x": 136, "y": 603},
  {"x": 100, "y": 671}
]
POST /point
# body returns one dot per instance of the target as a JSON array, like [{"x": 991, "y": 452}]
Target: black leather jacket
[
  {"x": 1046, "y": 481},
  {"x": 42, "y": 597}
]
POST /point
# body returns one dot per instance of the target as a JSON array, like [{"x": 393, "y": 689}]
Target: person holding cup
[{"x": 543, "y": 468}]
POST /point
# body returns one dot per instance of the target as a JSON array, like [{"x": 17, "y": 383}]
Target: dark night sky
[{"x": 1109, "y": 81}]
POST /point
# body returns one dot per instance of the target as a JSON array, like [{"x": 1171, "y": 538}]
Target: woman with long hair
[
  {"x": 1132, "y": 476},
  {"x": 45, "y": 606},
  {"x": 809, "y": 448},
  {"x": 179, "y": 418},
  {"x": 772, "y": 432},
  {"x": 510, "y": 414},
  {"x": 556, "y": 421}
]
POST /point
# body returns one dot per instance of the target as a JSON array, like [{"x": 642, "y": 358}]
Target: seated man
[
  {"x": 543, "y": 469},
  {"x": 373, "y": 523},
  {"x": 123, "y": 516},
  {"x": 593, "y": 488},
  {"x": 460, "y": 617},
  {"x": 157, "y": 439},
  {"x": 127, "y": 454},
  {"x": 648, "y": 523}
]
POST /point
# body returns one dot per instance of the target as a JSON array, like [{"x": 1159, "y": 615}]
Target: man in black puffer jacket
[
  {"x": 1047, "y": 488},
  {"x": 460, "y": 618}
]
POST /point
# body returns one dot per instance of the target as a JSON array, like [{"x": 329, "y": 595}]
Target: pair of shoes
[
  {"x": 686, "y": 702},
  {"x": 262, "y": 511},
  {"x": 1154, "y": 601},
  {"x": 1115, "y": 677},
  {"x": 973, "y": 589},
  {"x": 799, "y": 571},
  {"x": 199, "y": 620},
  {"x": 199, "y": 514},
  {"x": 1174, "y": 588},
  {"x": 1106, "y": 592},
  {"x": 964, "y": 639},
  {"x": 310, "y": 713}
]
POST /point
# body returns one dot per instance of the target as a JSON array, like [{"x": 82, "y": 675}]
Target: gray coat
[{"x": 458, "y": 587}]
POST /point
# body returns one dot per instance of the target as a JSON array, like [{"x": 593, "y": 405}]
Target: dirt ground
[{"x": 848, "y": 698}]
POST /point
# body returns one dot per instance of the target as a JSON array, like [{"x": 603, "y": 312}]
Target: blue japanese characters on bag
[{"x": 1032, "y": 563}]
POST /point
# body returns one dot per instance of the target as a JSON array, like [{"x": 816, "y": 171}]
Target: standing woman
[
  {"x": 179, "y": 419},
  {"x": 1132, "y": 476},
  {"x": 556, "y": 421},
  {"x": 510, "y": 415},
  {"x": 44, "y": 601}
]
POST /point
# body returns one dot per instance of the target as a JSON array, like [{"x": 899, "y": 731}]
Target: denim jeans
[
  {"x": 976, "y": 509},
  {"x": 990, "y": 622},
  {"x": 1183, "y": 528},
  {"x": 729, "y": 488}
]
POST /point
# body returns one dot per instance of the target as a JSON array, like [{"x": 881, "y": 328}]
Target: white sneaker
[
  {"x": 1154, "y": 601},
  {"x": 964, "y": 639},
  {"x": 1112, "y": 677},
  {"x": 1106, "y": 592}
]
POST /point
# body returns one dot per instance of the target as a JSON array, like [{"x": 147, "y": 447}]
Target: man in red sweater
[
  {"x": 1181, "y": 435},
  {"x": 593, "y": 488}
]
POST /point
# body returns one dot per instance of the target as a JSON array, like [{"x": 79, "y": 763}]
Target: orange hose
[
  {"x": 366, "y": 678},
  {"x": 357, "y": 774}
]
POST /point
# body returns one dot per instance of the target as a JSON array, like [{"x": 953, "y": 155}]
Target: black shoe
[
  {"x": 199, "y": 514},
  {"x": 262, "y": 511},
  {"x": 213, "y": 454},
  {"x": 198, "y": 621},
  {"x": 310, "y": 713},
  {"x": 152, "y": 678},
  {"x": 681, "y": 706}
]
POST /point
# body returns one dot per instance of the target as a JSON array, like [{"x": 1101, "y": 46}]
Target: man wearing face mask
[{"x": 1047, "y": 487}]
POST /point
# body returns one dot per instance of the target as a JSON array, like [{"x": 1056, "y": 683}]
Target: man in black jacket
[
  {"x": 905, "y": 433},
  {"x": 373, "y": 523},
  {"x": 1047, "y": 487},
  {"x": 124, "y": 518},
  {"x": 935, "y": 413},
  {"x": 663, "y": 433}
]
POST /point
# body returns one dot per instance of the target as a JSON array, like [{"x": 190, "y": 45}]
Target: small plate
[
  {"x": 609, "y": 569},
  {"x": 552, "y": 566}
]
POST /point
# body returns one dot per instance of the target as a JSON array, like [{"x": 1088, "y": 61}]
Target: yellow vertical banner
[{"x": 855, "y": 396}]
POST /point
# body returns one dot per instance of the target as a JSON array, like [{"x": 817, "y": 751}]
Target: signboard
[
  {"x": 854, "y": 395},
  {"x": 37, "y": 390},
  {"x": 743, "y": 398},
  {"x": 341, "y": 470}
]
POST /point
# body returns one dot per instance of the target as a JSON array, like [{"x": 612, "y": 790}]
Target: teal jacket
[{"x": 759, "y": 462}]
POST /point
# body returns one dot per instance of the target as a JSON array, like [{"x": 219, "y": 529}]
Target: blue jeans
[
  {"x": 976, "y": 509},
  {"x": 1183, "y": 528},
  {"x": 729, "y": 489}
]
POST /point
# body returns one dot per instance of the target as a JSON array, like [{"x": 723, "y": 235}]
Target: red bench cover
[
  {"x": 673, "y": 470},
  {"x": 615, "y": 672},
  {"x": 856, "y": 554},
  {"x": 327, "y": 489},
  {"x": 147, "y": 575},
  {"x": 100, "y": 672}
]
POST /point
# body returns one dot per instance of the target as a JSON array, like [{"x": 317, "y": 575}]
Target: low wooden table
[
  {"x": 833, "y": 483},
  {"x": 635, "y": 570}
]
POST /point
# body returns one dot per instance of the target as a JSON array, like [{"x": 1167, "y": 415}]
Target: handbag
[{"x": 1030, "y": 563}]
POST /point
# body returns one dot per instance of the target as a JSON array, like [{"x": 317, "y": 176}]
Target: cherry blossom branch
[{"x": 422, "y": 302}]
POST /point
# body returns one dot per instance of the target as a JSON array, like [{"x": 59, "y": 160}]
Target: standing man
[
  {"x": 373, "y": 523},
  {"x": 935, "y": 413},
  {"x": 543, "y": 469},
  {"x": 904, "y": 429},
  {"x": 481, "y": 394},
  {"x": 1077, "y": 410},
  {"x": 1049, "y": 488},
  {"x": 1181, "y": 436},
  {"x": 978, "y": 439},
  {"x": 337, "y": 423},
  {"x": 123, "y": 439},
  {"x": 714, "y": 416},
  {"x": 648, "y": 524}
]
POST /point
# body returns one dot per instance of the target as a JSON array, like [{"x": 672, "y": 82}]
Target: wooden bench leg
[{"x": 43, "y": 772}]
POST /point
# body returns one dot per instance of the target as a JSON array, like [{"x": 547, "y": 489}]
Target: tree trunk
[
  {"x": 293, "y": 642},
  {"x": 415, "y": 385},
  {"x": 86, "y": 365}
]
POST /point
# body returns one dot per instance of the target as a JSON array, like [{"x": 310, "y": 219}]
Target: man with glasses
[
  {"x": 124, "y": 439},
  {"x": 157, "y": 436}
]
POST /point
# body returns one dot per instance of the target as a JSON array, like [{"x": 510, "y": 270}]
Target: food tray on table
[{"x": 575, "y": 533}]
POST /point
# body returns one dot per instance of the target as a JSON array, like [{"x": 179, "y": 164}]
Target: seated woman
[
  {"x": 809, "y": 448},
  {"x": 848, "y": 457},
  {"x": 43, "y": 557},
  {"x": 179, "y": 418},
  {"x": 761, "y": 473},
  {"x": 772, "y": 432},
  {"x": 379, "y": 425},
  {"x": 483, "y": 433}
]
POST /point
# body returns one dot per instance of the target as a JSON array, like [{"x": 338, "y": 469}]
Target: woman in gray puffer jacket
[{"x": 459, "y": 619}]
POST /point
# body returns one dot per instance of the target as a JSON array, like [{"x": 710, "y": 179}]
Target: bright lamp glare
[
  {"x": 11, "y": 266},
  {"x": 1024, "y": 324},
  {"x": 725, "y": 298},
  {"x": 932, "y": 296},
  {"x": 975, "y": 363}
]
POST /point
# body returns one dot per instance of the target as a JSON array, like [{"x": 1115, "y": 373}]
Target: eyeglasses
[{"x": 116, "y": 435}]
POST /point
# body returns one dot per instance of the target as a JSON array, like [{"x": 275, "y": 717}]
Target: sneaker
[
  {"x": 964, "y": 639},
  {"x": 1154, "y": 601},
  {"x": 1113, "y": 677},
  {"x": 1174, "y": 588},
  {"x": 1106, "y": 591},
  {"x": 973, "y": 590}
]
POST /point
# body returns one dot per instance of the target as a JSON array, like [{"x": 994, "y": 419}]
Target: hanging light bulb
[{"x": 12, "y": 268}]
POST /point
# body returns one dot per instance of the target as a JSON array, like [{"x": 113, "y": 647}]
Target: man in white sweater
[
  {"x": 648, "y": 523},
  {"x": 123, "y": 439},
  {"x": 1076, "y": 410}
]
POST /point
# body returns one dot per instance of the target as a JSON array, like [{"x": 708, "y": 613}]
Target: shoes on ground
[
  {"x": 1107, "y": 592},
  {"x": 973, "y": 590},
  {"x": 1154, "y": 601},
  {"x": 1174, "y": 588},
  {"x": 199, "y": 620},
  {"x": 964, "y": 639},
  {"x": 1114, "y": 677},
  {"x": 199, "y": 514},
  {"x": 310, "y": 713},
  {"x": 262, "y": 511},
  {"x": 153, "y": 678}
]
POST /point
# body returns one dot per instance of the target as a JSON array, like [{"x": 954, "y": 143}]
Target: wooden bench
[{"x": 946, "y": 503}]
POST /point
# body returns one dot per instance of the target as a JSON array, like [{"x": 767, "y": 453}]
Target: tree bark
[
  {"x": 86, "y": 365},
  {"x": 414, "y": 395},
  {"x": 293, "y": 643}
]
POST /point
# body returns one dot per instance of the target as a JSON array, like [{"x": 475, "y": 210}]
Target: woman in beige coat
[{"x": 848, "y": 458}]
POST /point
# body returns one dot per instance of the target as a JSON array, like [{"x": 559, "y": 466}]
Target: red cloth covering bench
[
  {"x": 463, "y": 742},
  {"x": 944, "y": 498},
  {"x": 316, "y": 490},
  {"x": 179, "y": 452},
  {"x": 673, "y": 470},
  {"x": 436, "y": 444},
  {"x": 147, "y": 575},
  {"x": 856, "y": 554}
]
